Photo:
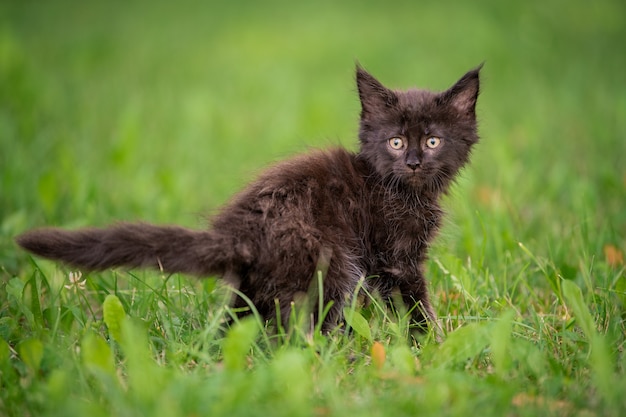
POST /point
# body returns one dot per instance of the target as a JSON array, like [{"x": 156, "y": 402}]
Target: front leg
[
  {"x": 415, "y": 296},
  {"x": 422, "y": 311}
]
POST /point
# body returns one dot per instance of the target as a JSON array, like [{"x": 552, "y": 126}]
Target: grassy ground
[{"x": 111, "y": 110}]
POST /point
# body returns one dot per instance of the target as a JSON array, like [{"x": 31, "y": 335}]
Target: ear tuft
[
  {"x": 464, "y": 93},
  {"x": 374, "y": 96}
]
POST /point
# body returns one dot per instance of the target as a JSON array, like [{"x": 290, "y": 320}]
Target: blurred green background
[{"x": 160, "y": 110}]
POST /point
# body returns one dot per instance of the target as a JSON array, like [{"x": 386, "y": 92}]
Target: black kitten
[{"x": 371, "y": 214}]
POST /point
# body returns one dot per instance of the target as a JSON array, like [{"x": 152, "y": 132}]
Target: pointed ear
[
  {"x": 464, "y": 93},
  {"x": 374, "y": 96}
]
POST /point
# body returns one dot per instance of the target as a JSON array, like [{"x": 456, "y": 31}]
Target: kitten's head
[{"x": 418, "y": 139}]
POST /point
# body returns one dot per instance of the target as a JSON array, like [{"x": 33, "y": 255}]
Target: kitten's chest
[{"x": 404, "y": 230}]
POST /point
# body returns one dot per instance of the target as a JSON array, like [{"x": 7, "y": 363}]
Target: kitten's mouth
[{"x": 414, "y": 178}]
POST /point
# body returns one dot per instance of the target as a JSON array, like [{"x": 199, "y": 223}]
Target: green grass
[{"x": 160, "y": 112}]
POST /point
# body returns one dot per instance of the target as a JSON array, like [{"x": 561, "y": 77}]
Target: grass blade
[{"x": 114, "y": 314}]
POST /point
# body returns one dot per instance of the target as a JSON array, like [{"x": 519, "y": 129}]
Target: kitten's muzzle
[
  {"x": 413, "y": 163},
  {"x": 412, "y": 160}
]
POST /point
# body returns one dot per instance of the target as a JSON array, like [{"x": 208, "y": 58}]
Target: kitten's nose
[
  {"x": 413, "y": 164},
  {"x": 412, "y": 159}
]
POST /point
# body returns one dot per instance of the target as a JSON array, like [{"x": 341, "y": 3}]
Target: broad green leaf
[
  {"x": 462, "y": 344},
  {"x": 236, "y": 345},
  {"x": 15, "y": 289},
  {"x": 402, "y": 359},
  {"x": 292, "y": 376},
  {"x": 114, "y": 314},
  {"x": 357, "y": 322},
  {"x": 603, "y": 369},
  {"x": 574, "y": 299},
  {"x": 96, "y": 354},
  {"x": 146, "y": 378},
  {"x": 501, "y": 343},
  {"x": 56, "y": 385},
  {"x": 31, "y": 352}
]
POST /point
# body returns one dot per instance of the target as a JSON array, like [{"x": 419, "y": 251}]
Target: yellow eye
[
  {"x": 396, "y": 143},
  {"x": 433, "y": 142}
]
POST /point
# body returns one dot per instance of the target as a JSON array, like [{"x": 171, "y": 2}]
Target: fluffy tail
[{"x": 135, "y": 245}]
